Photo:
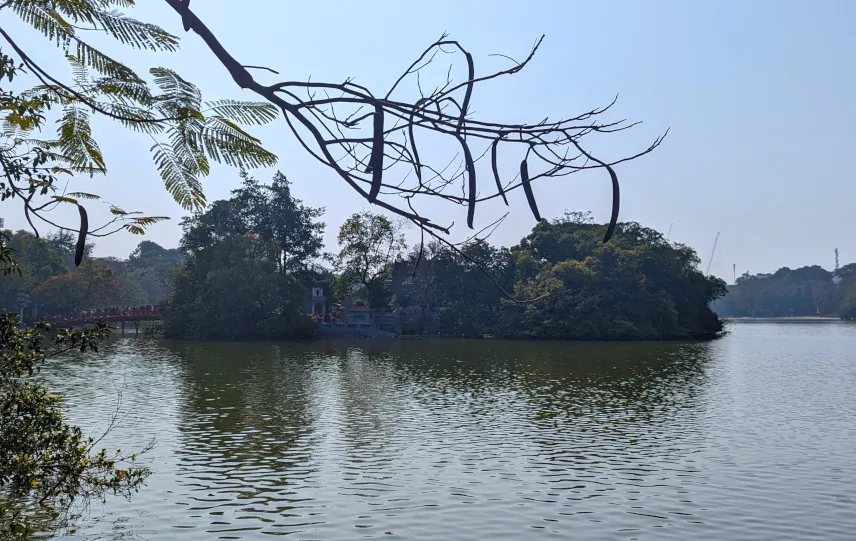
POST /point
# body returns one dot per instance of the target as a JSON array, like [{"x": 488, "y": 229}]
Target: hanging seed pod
[
  {"x": 493, "y": 164},
  {"x": 471, "y": 74},
  {"x": 376, "y": 159},
  {"x": 416, "y": 164},
  {"x": 471, "y": 174},
  {"x": 527, "y": 189},
  {"x": 81, "y": 237},
  {"x": 616, "y": 197}
]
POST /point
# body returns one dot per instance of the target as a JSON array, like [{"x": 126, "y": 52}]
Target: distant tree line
[
  {"x": 807, "y": 291},
  {"x": 245, "y": 266},
  {"x": 55, "y": 286}
]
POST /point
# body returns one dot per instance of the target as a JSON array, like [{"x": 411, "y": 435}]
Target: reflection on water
[{"x": 748, "y": 437}]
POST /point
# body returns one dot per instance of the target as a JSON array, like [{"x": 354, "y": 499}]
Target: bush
[{"x": 45, "y": 462}]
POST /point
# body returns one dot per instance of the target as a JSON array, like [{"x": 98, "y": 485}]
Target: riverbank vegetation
[
  {"x": 639, "y": 286},
  {"x": 245, "y": 266},
  {"x": 251, "y": 260},
  {"x": 55, "y": 286},
  {"x": 804, "y": 292}
]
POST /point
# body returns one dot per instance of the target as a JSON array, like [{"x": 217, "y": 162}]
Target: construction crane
[{"x": 716, "y": 240}]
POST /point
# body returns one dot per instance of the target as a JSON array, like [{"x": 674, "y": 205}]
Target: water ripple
[{"x": 749, "y": 437}]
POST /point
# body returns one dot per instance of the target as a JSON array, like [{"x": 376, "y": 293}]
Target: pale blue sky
[{"x": 759, "y": 96}]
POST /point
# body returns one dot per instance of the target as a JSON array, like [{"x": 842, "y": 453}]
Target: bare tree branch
[{"x": 380, "y": 159}]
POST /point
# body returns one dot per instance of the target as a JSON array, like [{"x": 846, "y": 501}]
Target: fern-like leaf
[
  {"x": 44, "y": 19},
  {"x": 225, "y": 142},
  {"x": 84, "y": 195},
  {"x": 179, "y": 95},
  {"x": 180, "y": 178},
  {"x": 126, "y": 92},
  {"x": 92, "y": 57},
  {"x": 134, "y": 33},
  {"x": 75, "y": 140},
  {"x": 244, "y": 112},
  {"x": 64, "y": 199},
  {"x": 146, "y": 221}
]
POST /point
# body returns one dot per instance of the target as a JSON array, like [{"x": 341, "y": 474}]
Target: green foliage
[
  {"x": 90, "y": 286},
  {"x": 8, "y": 263},
  {"x": 638, "y": 286},
  {"x": 56, "y": 286},
  {"x": 33, "y": 261},
  {"x": 233, "y": 290},
  {"x": 150, "y": 267},
  {"x": 63, "y": 243},
  {"x": 265, "y": 211},
  {"x": 44, "y": 460},
  {"x": 847, "y": 308},
  {"x": 451, "y": 291},
  {"x": 803, "y": 292},
  {"x": 248, "y": 269},
  {"x": 187, "y": 133},
  {"x": 370, "y": 245}
]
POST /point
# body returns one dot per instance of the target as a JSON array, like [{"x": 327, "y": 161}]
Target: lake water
[{"x": 747, "y": 437}]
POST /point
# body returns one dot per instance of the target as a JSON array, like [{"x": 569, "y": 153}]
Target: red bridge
[{"x": 121, "y": 316}]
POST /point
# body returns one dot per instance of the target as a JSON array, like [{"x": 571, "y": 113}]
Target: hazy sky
[{"x": 760, "y": 97}]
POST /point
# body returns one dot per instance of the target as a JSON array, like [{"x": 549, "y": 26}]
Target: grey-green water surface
[{"x": 748, "y": 437}]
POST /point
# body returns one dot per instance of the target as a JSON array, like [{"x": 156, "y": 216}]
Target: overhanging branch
[{"x": 370, "y": 142}]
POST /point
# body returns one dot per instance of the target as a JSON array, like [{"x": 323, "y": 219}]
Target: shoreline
[{"x": 795, "y": 319}]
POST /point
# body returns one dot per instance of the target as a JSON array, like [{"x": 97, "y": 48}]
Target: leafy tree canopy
[
  {"x": 370, "y": 245},
  {"x": 639, "y": 286},
  {"x": 248, "y": 268}
]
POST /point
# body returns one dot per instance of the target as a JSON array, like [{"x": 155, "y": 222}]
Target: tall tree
[
  {"x": 270, "y": 212},
  {"x": 150, "y": 266},
  {"x": 369, "y": 246},
  {"x": 275, "y": 214},
  {"x": 64, "y": 243},
  {"x": 248, "y": 266}
]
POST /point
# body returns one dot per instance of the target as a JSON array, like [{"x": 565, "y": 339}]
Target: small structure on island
[
  {"x": 359, "y": 321},
  {"x": 318, "y": 301},
  {"x": 360, "y": 315}
]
